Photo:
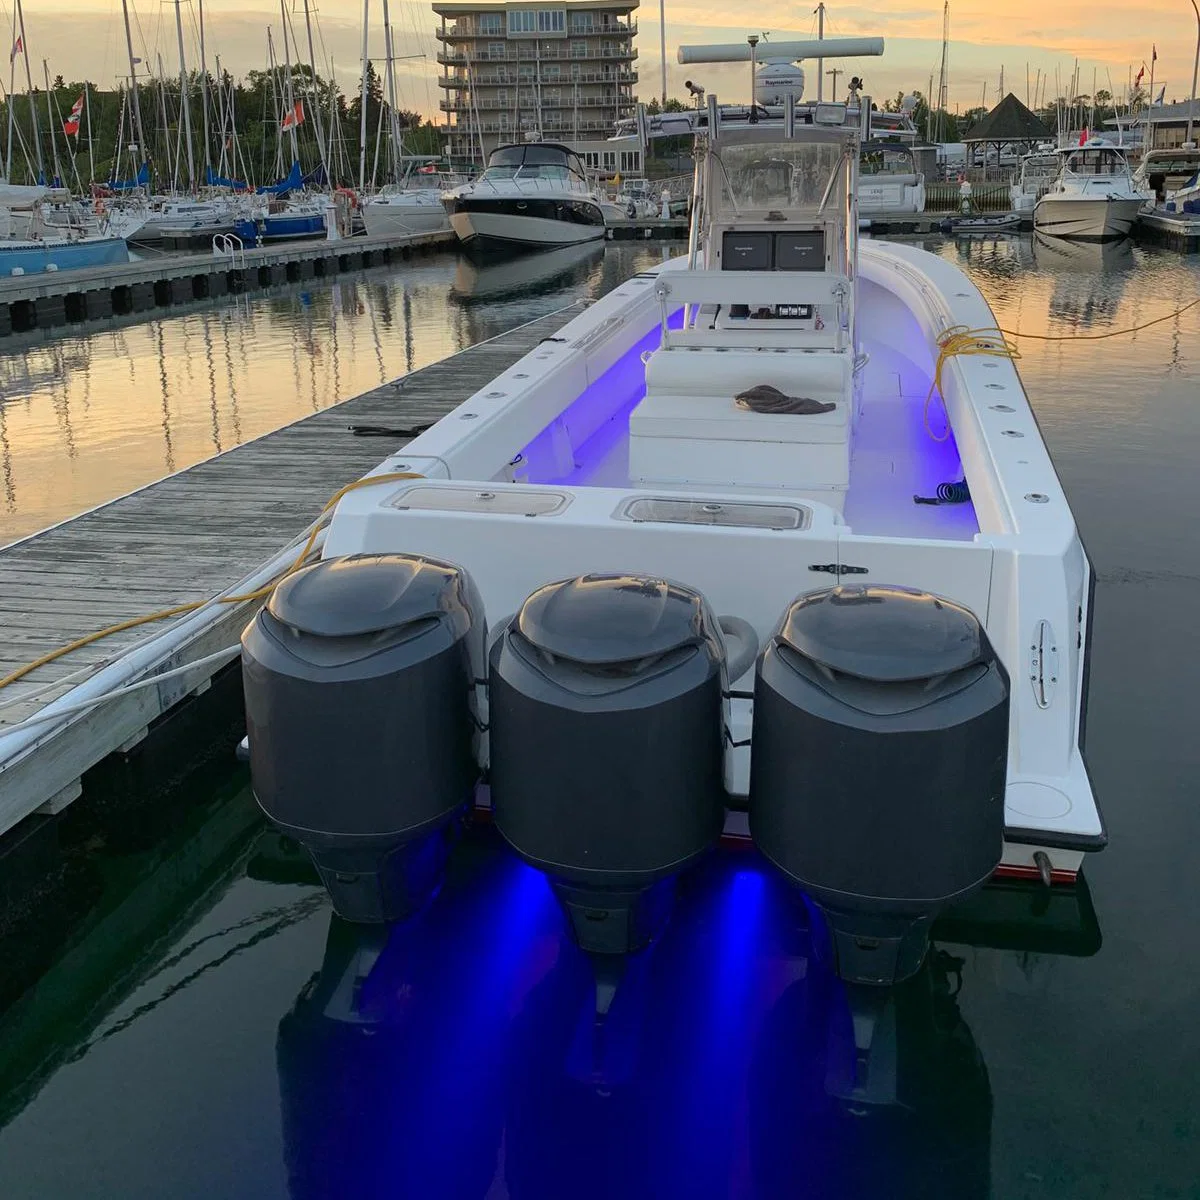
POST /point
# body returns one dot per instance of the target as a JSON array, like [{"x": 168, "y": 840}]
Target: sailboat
[{"x": 759, "y": 545}]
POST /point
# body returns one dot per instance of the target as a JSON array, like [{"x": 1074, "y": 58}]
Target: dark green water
[{"x": 201, "y": 1032}]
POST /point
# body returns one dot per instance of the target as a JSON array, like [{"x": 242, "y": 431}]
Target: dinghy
[{"x": 764, "y": 544}]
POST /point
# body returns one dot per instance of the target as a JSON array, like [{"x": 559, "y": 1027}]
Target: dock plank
[{"x": 187, "y": 538}]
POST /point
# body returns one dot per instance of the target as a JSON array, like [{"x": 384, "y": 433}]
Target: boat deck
[{"x": 183, "y": 539}]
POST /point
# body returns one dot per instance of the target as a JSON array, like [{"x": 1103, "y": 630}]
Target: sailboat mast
[
  {"x": 87, "y": 108},
  {"x": 362, "y": 103},
  {"x": 12, "y": 79},
  {"x": 50, "y": 123},
  {"x": 207, "y": 154},
  {"x": 37, "y": 136},
  {"x": 316, "y": 102},
  {"x": 133, "y": 87},
  {"x": 185, "y": 101},
  {"x": 393, "y": 120},
  {"x": 288, "y": 93}
]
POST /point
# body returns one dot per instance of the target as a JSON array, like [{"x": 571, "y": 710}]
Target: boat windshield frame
[
  {"x": 534, "y": 160},
  {"x": 884, "y": 147},
  {"x": 1092, "y": 162},
  {"x": 826, "y": 152}
]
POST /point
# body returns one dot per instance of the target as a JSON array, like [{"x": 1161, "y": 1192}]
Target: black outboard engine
[
  {"x": 360, "y": 677},
  {"x": 607, "y": 750},
  {"x": 878, "y": 766}
]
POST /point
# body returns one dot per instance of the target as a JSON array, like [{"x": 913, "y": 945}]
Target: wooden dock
[
  {"x": 183, "y": 539},
  {"x": 54, "y": 297}
]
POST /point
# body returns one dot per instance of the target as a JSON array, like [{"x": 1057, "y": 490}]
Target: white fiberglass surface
[{"x": 897, "y": 450}]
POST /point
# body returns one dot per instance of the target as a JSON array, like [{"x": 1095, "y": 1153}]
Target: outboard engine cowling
[
  {"x": 878, "y": 765},
  {"x": 359, "y": 677},
  {"x": 607, "y": 747}
]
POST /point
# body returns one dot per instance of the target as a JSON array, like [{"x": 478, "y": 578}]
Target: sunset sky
[{"x": 85, "y": 38}]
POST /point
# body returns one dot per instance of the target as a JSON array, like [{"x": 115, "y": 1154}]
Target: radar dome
[{"x": 777, "y": 80}]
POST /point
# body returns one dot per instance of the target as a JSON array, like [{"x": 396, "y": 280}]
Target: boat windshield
[
  {"x": 879, "y": 159},
  {"x": 1095, "y": 161},
  {"x": 1041, "y": 166},
  {"x": 775, "y": 176},
  {"x": 534, "y": 161}
]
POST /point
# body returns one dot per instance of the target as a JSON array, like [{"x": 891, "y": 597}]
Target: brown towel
[{"x": 767, "y": 399}]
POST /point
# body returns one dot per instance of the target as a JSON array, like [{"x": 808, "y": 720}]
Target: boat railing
[{"x": 229, "y": 245}]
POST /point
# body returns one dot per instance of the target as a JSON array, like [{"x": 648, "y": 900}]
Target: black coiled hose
[{"x": 947, "y": 493}]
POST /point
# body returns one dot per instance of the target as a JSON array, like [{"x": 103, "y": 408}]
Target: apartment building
[{"x": 562, "y": 72}]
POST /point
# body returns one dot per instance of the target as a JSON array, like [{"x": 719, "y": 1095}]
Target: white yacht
[
  {"x": 888, "y": 179},
  {"x": 533, "y": 194},
  {"x": 1039, "y": 170},
  {"x": 765, "y": 543},
  {"x": 1093, "y": 196}
]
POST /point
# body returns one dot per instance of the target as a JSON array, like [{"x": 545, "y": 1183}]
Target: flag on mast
[
  {"x": 294, "y": 118},
  {"x": 18, "y": 46},
  {"x": 71, "y": 124},
  {"x": 1138, "y": 80}
]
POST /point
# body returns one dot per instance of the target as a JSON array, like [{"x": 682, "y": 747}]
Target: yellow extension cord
[
  {"x": 957, "y": 342},
  {"x": 178, "y": 610},
  {"x": 961, "y": 342}
]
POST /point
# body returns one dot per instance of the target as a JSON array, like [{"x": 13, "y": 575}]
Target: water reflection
[
  {"x": 1090, "y": 278},
  {"x": 480, "y": 280},
  {"x": 90, "y": 415},
  {"x": 459, "y": 1057}
]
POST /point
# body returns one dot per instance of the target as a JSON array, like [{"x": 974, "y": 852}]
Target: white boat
[
  {"x": 1093, "y": 197},
  {"x": 756, "y": 544},
  {"x": 1038, "y": 173},
  {"x": 533, "y": 194},
  {"x": 888, "y": 179},
  {"x": 1162, "y": 172},
  {"x": 413, "y": 204}
]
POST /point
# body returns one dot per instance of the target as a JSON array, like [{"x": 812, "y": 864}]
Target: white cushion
[
  {"x": 819, "y": 374},
  {"x": 719, "y": 418}
]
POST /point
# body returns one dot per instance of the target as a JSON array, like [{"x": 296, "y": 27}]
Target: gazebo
[{"x": 1009, "y": 123}]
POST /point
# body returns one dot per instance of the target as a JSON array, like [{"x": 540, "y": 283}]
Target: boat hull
[
  {"x": 33, "y": 258},
  {"x": 1086, "y": 219},
  {"x": 480, "y": 224},
  {"x": 398, "y": 219},
  {"x": 281, "y": 228}
]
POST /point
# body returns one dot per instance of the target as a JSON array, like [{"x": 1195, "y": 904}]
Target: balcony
[
  {"x": 483, "y": 104},
  {"x": 464, "y": 31},
  {"x": 502, "y": 78},
  {"x": 526, "y": 54}
]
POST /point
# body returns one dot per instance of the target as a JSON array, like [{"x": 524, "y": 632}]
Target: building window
[
  {"x": 582, "y": 23},
  {"x": 610, "y": 159},
  {"x": 579, "y": 49},
  {"x": 551, "y": 72},
  {"x": 502, "y": 98},
  {"x": 491, "y": 23},
  {"x": 553, "y": 96},
  {"x": 525, "y": 72},
  {"x": 504, "y": 120},
  {"x": 576, "y": 70},
  {"x": 522, "y": 22},
  {"x": 592, "y": 159},
  {"x": 553, "y": 20},
  {"x": 629, "y": 160},
  {"x": 495, "y": 50}
]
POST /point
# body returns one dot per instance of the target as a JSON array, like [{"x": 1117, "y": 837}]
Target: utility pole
[
  {"x": 835, "y": 72},
  {"x": 820, "y": 11}
]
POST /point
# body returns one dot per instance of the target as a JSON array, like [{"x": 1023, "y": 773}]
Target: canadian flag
[
  {"x": 428, "y": 169},
  {"x": 1138, "y": 81},
  {"x": 18, "y": 46},
  {"x": 71, "y": 124},
  {"x": 1083, "y": 136},
  {"x": 294, "y": 118}
]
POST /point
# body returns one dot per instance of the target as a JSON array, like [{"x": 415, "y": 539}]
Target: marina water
[{"x": 210, "y": 1030}]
